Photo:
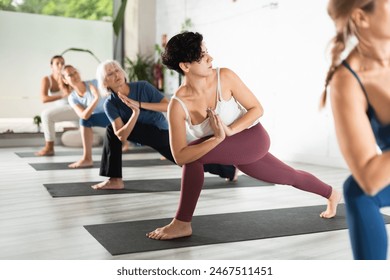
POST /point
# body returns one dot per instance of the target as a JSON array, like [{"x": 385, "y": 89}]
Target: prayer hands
[
  {"x": 227, "y": 129},
  {"x": 132, "y": 104},
  {"x": 216, "y": 124}
]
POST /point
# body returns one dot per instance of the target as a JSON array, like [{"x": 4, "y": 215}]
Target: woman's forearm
[
  {"x": 193, "y": 152},
  {"x": 124, "y": 132},
  {"x": 375, "y": 174},
  {"x": 51, "y": 98},
  {"x": 87, "y": 112},
  {"x": 158, "y": 107},
  {"x": 245, "y": 121}
]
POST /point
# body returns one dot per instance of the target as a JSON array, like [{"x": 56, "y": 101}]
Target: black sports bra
[{"x": 381, "y": 132}]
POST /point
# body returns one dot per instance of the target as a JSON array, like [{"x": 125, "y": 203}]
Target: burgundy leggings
[{"x": 248, "y": 151}]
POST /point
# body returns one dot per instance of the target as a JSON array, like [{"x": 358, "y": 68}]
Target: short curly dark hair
[{"x": 183, "y": 47}]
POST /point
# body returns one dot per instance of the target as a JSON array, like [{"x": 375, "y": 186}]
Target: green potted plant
[
  {"x": 140, "y": 68},
  {"x": 37, "y": 121}
]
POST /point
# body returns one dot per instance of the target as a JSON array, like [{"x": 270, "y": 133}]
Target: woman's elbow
[
  {"x": 261, "y": 112},
  {"x": 84, "y": 115},
  {"x": 370, "y": 176},
  {"x": 180, "y": 160},
  {"x": 370, "y": 186},
  {"x": 258, "y": 111},
  {"x": 120, "y": 136}
]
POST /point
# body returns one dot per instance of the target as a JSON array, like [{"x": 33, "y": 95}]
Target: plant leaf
[
  {"x": 81, "y": 50},
  {"x": 118, "y": 21}
]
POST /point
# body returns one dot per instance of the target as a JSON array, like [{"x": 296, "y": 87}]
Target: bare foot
[
  {"x": 81, "y": 163},
  {"x": 110, "y": 184},
  {"x": 333, "y": 201},
  {"x": 163, "y": 158},
  {"x": 175, "y": 229},
  {"x": 125, "y": 146},
  {"x": 45, "y": 153},
  {"x": 235, "y": 178}
]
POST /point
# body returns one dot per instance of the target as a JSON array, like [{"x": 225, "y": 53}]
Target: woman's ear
[
  {"x": 359, "y": 17},
  {"x": 184, "y": 66}
]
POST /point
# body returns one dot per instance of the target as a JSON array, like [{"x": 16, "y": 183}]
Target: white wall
[
  {"x": 140, "y": 28},
  {"x": 28, "y": 41},
  {"x": 278, "y": 48}
]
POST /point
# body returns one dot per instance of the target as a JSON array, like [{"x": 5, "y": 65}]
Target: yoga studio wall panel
[
  {"x": 279, "y": 49},
  {"x": 28, "y": 41}
]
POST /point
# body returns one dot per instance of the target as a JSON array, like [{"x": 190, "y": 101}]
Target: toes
[
  {"x": 327, "y": 215},
  {"x": 153, "y": 235}
]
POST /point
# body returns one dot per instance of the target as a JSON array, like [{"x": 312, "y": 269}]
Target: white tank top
[
  {"x": 59, "y": 102},
  {"x": 228, "y": 111}
]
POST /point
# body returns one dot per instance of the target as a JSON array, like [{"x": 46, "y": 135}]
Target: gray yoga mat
[
  {"x": 129, "y": 237},
  {"x": 145, "y": 186},
  {"x": 96, "y": 164},
  {"x": 79, "y": 152}
]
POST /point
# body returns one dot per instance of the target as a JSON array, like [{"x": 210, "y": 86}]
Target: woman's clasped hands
[
  {"x": 132, "y": 104},
  {"x": 217, "y": 125}
]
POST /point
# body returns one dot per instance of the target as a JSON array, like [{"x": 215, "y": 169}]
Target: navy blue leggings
[
  {"x": 97, "y": 119},
  {"x": 248, "y": 151},
  {"x": 366, "y": 225}
]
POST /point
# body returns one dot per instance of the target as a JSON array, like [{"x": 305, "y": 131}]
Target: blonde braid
[
  {"x": 340, "y": 11},
  {"x": 339, "y": 44}
]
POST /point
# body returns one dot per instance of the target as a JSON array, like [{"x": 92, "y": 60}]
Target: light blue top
[{"x": 75, "y": 99}]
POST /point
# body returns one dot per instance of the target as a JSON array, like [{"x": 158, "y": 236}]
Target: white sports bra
[
  {"x": 62, "y": 101},
  {"x": 228, "y": 111}
]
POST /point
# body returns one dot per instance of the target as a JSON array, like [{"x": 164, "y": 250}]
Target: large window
[{"x": 83, "y": 9}]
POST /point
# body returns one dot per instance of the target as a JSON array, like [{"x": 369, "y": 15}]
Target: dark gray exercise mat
[
  {"x": 77, "y": 152},
  {"x": 129, "y": 237},
  {"x": 96, "y": 164},
  {"x": 145, "y": 186}
]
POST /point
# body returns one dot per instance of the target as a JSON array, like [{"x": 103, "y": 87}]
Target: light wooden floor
[{"x": 36, "y": 226}]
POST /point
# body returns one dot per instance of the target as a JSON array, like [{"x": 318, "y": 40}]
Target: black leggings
[{"x": 146, "y": 135}]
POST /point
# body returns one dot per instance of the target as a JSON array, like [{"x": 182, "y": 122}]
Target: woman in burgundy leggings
[{"x": 217, "y": 107}]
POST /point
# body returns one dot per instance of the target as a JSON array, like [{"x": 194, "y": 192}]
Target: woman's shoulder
[
  {"x": 110, "y": 98},
  {"x": 142, "y": 86},
  {"x": 180, "y": 96},
  {"x": 343, "y": 78},
  {"x": 45, "y": 80},
  {"x": 92, "y": 81},
  {"x": 139, "y": 84},
  {"x": 227, "y": 75},
  {"x": 181, "y": 92},
  {"x": 345, "y": 86},
  {"x": 226, "y": 71}
]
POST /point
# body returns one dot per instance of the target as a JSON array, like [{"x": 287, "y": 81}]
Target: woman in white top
[
  {"x": 51, "y": 92},
  {"x": 217, "y": 107}
]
